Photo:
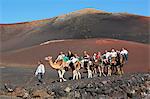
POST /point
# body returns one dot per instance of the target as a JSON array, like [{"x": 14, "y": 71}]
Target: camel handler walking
[{"x": 40, "y": 71}]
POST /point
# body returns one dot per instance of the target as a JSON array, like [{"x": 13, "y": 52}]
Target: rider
[
  {"x": 113, "y": 53},
  {"x": 94, "y": 57},
  {"x": 85, "y": 59},
  {"x": 107, "y": 55},
  {"x": 98, "y": 56},
  {"x": 75, "y": 58},
  {"x": 70, "y": 54},
  {"x": 60, "y": 57},
  {"x": 124, "y": 52},
  {"x": 86, "y": 56}
]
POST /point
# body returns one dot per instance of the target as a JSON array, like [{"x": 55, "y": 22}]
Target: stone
[
  {"x": 104, "y": 82},
  {"x": 89, "y": 85},
  {"x": 77, "y": 94},
  {"x": 67, "y": 89},
  {"x": 20, "y": 92},
  {"x": 41, "y": 93},
  {"x": 9, "y": 87}
]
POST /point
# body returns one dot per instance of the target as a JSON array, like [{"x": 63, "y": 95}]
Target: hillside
[
  {"x": 82, "y": 24},
  {"x": 138, "y": 53}
]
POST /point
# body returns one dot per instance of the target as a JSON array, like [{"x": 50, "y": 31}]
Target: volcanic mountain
[{"x": 82, "y": 24}]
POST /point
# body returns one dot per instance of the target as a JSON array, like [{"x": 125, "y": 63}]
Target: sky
[{"x": 14, "y": 11}]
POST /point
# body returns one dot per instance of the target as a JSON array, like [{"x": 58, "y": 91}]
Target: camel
[
  {"x": 58, "y": 66},
  {"x": 76, "y": 72},
  {"x": 120, "y": 63},
  {"x": 117, "y": 64},
  {"x": 104, "y": 63},
  {"x": 98, "y": 64}
]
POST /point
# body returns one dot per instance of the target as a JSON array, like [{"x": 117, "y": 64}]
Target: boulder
[
  {"x": 67, "y": 89},
  {"x": 40, "y": 93},
  {"x": 20, "y": 92}
]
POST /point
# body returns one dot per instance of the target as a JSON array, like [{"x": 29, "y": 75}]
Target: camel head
[{"x": 48, "y": 58}]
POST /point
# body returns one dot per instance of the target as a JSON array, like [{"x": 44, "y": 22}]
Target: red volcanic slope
[
  {"x": 138, "y": 53},
  {"x": 82, "y": 24}
]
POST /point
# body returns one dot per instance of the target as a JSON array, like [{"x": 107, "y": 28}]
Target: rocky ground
[{"x": 133, "y": 85}]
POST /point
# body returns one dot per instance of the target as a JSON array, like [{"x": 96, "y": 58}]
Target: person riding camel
[
  {"x": 98, "y": 55},
  {"x": 74, "y": 59},
  {"x": 76, "y": 56},
  {"x": 113, "y": 55},
  {"x": 124, "y": 52},
  {"x": 70, "y": 54},
  {"x": 60, "y": 57},
  {"x": 85, "y": 59},
  {"x": 94, "y": 57},
  {"x": 86, "y": 56},
  {"x": 107, "y": 56}
]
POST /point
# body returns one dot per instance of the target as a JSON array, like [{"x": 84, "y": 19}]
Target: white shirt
[
  {"x": 94, "y": 57},
  {"x": 124, "y": 52},
  {"x": 60, "y": 57},
  {"x": 107, "y": 54},
  {"x": 40, "y": 69},
  {"x": 73, "y": 59},
  {"x": 113, "y": 54}
]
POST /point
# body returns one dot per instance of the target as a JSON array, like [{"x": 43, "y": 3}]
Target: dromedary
[
  {"x": 120, "y": 63},
  {"x": 57, "y": 66},
  {"x": 60, "y": 67},
  {"x": 76, "y": 70},
  {"x": 117, "y": 64}
]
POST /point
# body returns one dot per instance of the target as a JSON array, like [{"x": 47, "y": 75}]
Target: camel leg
[
  {"x": 102, "y": 67},
  {"x": 95, "y": 71},
  {"x": 89, "y": 73},
  {"x": 109, "y": 71},
  {"x": 100, "y": 72},
  {"x": 121, "y": 70},
  {"x": 118, "y": 70},
  {"x": 74, "y": 74},
  {"x": 60, "y": 75},
  {"x": 82, "y": 63},
  {"x": 63, "y": 72},
  {"x": 79, "y": 75}
]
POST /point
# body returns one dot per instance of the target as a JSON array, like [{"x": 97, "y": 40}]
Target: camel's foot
[
  {"x": 62, "y": 79},
  {"x": 104, "y": 74},
  {"x": 100, "y": 74},
  {"x": 79, "y": 74},
  {"x": 122, "y": 72},
  {"x": 108, "y": 74},
  {"x": 95, "y": 75},
  {"x": 90, "y": 76}
]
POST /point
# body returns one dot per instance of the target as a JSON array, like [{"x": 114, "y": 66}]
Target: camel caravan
[{"x": 106, "y": 64}]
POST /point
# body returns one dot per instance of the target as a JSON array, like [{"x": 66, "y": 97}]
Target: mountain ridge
[{"x": 90, "y": 24}]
